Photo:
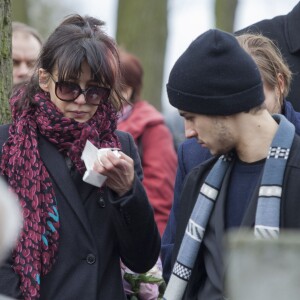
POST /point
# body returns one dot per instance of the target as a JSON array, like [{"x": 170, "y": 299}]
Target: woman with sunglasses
[{"x": 74, "y": 233}]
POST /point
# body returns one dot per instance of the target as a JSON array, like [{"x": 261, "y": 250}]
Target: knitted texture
[
  {"x": 215, "y": 76},
  {"x": 27, "y": 175}
]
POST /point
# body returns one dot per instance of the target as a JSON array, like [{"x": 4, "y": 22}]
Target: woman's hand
[{"x": 119, "y": 171}]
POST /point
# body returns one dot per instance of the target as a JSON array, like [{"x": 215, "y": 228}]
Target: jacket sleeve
[
  {"x": 130, "y": 149},
  {"x": 136, "y": 230},
  {"x": 9, "y": 280}
]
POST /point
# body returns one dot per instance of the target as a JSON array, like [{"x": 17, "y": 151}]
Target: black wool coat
[
  {"x": 95, "y": 232},
  {"x": 213, "y": 239}
]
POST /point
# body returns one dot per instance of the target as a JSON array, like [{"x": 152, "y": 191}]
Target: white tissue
[{"x": 90, "y": 154}]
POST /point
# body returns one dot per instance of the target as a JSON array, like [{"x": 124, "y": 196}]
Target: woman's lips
[{"x": 79, "y": 113}]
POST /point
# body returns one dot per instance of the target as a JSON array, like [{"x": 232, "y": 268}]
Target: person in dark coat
[
  {"x": 276, "y": 76},
  {"x": 74, "y": 233},
  {"x": 284, "y": 32},
  {"x": 232, "y": 188}
]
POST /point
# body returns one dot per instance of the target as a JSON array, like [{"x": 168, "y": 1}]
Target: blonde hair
[{"x": 269, "y": 60}]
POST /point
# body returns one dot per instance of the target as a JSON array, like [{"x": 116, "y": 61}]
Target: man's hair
[
  {"x": 254, "y": 110},
  {"x": 268, "y": 58},
  {"x": 22, "y": 27}
]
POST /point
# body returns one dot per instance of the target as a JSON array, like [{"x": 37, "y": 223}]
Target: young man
[
  {"x": 26, "y": 46},
  {"x": 217, "y": 88},
  {"x": 284, "y": 32}
]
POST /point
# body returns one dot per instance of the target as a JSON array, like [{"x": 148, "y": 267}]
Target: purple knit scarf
[{"x": 27, "y": 175}]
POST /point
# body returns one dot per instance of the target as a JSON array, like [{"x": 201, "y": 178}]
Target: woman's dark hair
[
  {"x": 132, "y": 74},
  {"x": 75, "y": 40}
]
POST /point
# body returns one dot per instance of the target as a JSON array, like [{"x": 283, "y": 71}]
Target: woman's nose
[{"x": 80, "y": 99}]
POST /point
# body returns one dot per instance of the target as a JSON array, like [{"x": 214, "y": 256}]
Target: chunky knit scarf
[
  {"x": 267, "y": 213},
  {"x": 28, "y": 177}
]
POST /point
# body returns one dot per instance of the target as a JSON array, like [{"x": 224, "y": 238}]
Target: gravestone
[{"x": 263, "y": 269}]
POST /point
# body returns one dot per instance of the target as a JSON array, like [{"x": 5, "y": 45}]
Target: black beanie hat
[{"x": 215, "y": 76}]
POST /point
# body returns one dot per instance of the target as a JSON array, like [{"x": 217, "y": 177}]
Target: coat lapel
[{"x": 61, "y": 176}]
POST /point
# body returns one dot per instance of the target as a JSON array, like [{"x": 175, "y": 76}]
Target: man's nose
[
  {"x": 189, "y": 130},
  {"x": 23, "y": 69}
]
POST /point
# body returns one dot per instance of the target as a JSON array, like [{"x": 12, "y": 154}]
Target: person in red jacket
[{"x": 152, "y": 137}]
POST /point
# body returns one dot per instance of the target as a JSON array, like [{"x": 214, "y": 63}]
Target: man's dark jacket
[
  {"x": 284, "y": 31},
  {"x": 289, "y": 218},
  {"x": 191, "y": 154}
]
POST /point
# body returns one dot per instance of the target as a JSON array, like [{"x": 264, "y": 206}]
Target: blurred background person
[
  {"x": 284, "y": 32},
  {"x": 10, "y": 220},
  {"x": 176, "y": 125},
  {"x": 152, "y": 137},
  {"x": 26, "y": 46},
  {"x": 276, "y": 77},
  {"x": 10, "y": 223}
]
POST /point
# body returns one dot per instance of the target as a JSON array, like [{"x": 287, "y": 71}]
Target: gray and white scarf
[{"x": 267, "y": 212}]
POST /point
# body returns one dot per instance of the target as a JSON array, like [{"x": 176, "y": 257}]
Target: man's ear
[{"x": 44, "y": 80}]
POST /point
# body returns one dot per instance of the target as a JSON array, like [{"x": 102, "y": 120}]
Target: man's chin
[
  {"x": 19, "y": 84},
  {"x": 216, "y": 152}
]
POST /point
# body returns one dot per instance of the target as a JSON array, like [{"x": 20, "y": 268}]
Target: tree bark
[
  {"x": 225, "y": 14},
  {"x": 142, "y": 30},
  {"x": 19, "y": 11},
  {"x": 5, "y": 60}
]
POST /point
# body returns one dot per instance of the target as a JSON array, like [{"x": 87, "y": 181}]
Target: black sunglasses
[{"x": 70, "y": 91}]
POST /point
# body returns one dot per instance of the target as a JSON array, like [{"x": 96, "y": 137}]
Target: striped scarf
[{"x": 267, "y": 212}]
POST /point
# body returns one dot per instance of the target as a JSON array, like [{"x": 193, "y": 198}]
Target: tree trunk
[
  {"x": 5, "y": 60},
  {"x": 142, "y": 30},
  {"x": 225, "y": 13},
  {"x": 19, "y": 11}
]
